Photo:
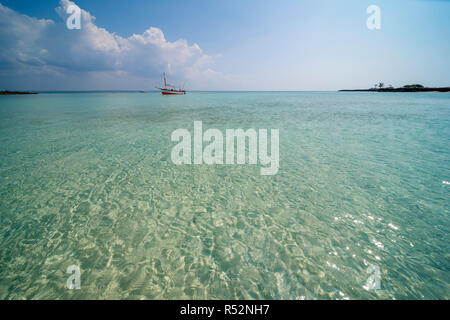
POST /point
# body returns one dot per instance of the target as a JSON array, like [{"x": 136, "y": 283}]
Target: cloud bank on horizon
[{"x": 91, "y": 57}]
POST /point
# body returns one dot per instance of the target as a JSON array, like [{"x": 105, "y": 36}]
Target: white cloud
[{"x": 34, "y": 47}]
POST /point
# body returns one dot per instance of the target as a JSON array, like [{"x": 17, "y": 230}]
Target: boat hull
[{"x": 172, "y": 92}]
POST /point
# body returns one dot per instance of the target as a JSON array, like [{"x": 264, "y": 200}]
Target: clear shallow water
[{"x": 87, "y": 180}]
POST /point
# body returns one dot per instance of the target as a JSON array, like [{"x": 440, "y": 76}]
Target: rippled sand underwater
[{"x": 87, "y": 180}]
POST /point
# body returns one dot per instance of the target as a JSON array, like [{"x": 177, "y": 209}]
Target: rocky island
[
  {"x": 6, "y": 92},
  {"x": 408, "y": 88}
]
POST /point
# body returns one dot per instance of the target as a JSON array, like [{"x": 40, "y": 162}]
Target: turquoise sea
[{"x": 87, "y": 180}]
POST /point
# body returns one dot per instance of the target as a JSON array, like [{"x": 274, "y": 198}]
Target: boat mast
[{"x": 165, "y": 82}]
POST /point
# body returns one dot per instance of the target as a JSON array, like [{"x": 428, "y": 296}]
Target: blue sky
[{"x": 224, "y": 45}]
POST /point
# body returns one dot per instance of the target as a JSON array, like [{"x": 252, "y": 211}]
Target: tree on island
[{"x": 381, "y": 85}]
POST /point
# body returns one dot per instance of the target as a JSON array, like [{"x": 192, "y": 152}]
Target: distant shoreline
[
  {"x": 424, "y": 89},
  {"x": 431, "y": 89},
  {"x": 6, "y": 92}
]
